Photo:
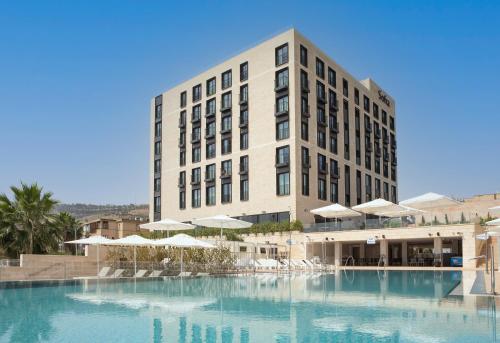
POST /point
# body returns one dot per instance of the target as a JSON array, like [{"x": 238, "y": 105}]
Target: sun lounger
[
  {"x": 141, "y": 273},
  {"x": 117, "y": 273},
  {"x": 155, "y": 273},
  {"x": 185, "y": 274},
  {"x": 104, "y": 271},
  {"x": 202, "y": 274}
]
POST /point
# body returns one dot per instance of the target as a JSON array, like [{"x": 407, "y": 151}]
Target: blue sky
[{"x": 76, "y": 78}]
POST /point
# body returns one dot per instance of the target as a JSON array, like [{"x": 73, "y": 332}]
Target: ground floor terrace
[{"x": 430, "y": 246}]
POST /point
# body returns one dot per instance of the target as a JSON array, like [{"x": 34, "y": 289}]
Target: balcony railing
[
  {"x": 225, "y": 173},
  {"x": 280, "y": 84},
  {"x": 280, "y": 110}
]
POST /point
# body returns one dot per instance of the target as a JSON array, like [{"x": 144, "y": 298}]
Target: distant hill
[{"x": 86, "y": 210}]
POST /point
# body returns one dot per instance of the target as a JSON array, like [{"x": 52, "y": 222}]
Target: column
[
  {"x": 404, "y": 253},
  {"x": 438, "y": 247},
  {"x": 384, "y": 251},
  {"x": 338, "y": 254}
]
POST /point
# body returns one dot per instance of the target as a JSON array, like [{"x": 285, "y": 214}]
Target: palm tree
[
  {"x": 70, "y": 227},
  {"x": 27, "y": 221}
]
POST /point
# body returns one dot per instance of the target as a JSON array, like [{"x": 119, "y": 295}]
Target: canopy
[
  {"x": 429, "y": 201},
  {"x": 133, "y": 240},
  {"x": 183, "y": 241},
  {"x": 493, "y": 222},
  {"x": 223, "y": 222},
  {"x": 166, "y": 225},
  {"x": 378, "y": 206},
  {"x": 335, "y": 211},
  {"x": 495, "y": 209},
  {"x": 407, "y": 211},
  {"x": 92, "y": 240}
]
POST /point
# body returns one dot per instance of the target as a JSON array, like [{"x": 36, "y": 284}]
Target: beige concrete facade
[
  {"x": 112, "y": 228},
  {"x": 262, "y": 140}
]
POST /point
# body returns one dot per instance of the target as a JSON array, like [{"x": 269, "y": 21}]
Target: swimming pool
[{"x": 349, "y": 306}]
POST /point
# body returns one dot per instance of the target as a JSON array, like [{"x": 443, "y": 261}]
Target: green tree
[
  {"x": 27, "y": 222},
  {"x": 462, "y": 218},
  {"x": 70, "y": 227}
]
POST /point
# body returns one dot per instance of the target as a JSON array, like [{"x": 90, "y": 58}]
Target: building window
[
  {"x": 182, "y": 200},
  {"x": 304, "y": 154},
  {"x": 157, "y": 204},
  {"x": 158, "y": 130},
  {"x": 158, "y": 148},
  {"x": 358, "y": 188},
  {"x": 283, "y": 183},
  {"x": 226, "y": 146},
  {"x": 157, "y": 166},
  {"x": 304, "y": 130},
  {"x": 244, "y": 71},
  {"x": 282, "y": 54},
  {"x": 368, "y": 187},
  {"x": 210, "y": 172},
  {"x": 392, "y": 126},
  {"x": 321, "y": 189},
  {"x": 332, "y": 77},
  {"x": 196, "y": 133},
  {"x": 211, "y": 106},
  {"x": 196, "y": 175},
  {"x": 332, "y": 98},
  {"x": 211, "y": 150},
  {"x": 244, "y": 94},
  {"x": 346, "y": 131},
  {"x": 243, "y": 140},
  {"x": 347, "y": 186},
  {"x": 384, "y": 117},
  {"x": 157, "y": 185},
  {"x": 356, "y": 96},
  {"x": 226, "y": 193},
  {"x": 183, "y": 99},
  {"x": 345, "y": 88},
  {"x": 244, "y": 117},
  {"x": 303, "y": 56},
  {"x": 366, "y": 103},
  {"x": 322, "y": 167},
  {"x": 282, "y": 78},
  {"x": 394, "y": 194},
  {"x": 196, "y": 115},
  {"x": 197, "y": 93},
  {"x": 210, "y": 196},
  {"x": 334, "y": 168},
  {"x": 333, "y": 144},
  {"x": 304, "y": 106},
  {"x": 377, "y": 188},
  {"x": 375, "y": 110},
  {"x": 196, "y": 198},
  {"x": 226, "y": 124},
  {"x": 158, "y": 111},
  {"x": 226, "y": 100},
  {"x": 320, "y": 114},
  {"x": 282, "y": 104},
  {"x": 226, "y": 168},
  {"x": 305, "y": 184},
  {"x": 321, "y": 137},
  {"x": 334, "y": 192},
  {"x": 386, "y": 191},
  {"x": 282, "y": 130},
  {"x": 304, "y": 81},
  {"x": 283, "y": 155},
  {"x": 182, "y": 179},
  {"x": 182, "y": 158},
  {"x": 244, "y": 196},
  {"x": 320, "y": 68},
  {"x": 227, "y": 79},
  {"x": 196, "y": 154},
  {"x": 211, "y": 86},
  {"x": 320, "y": 91}
]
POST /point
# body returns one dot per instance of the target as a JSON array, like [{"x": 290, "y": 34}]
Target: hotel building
[{"x": 270, "y": 134}]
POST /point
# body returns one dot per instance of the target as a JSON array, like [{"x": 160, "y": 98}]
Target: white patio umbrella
[
  {"x": 378, "y": 206},
  {"x": 493, "y": 222},
  {"x": 430, "y": 201},
  {"x": 166, "y": 225},
  {"x": 495, "y": 209},
  {"x": 223, "y": 222},
  {"x": 133, "y": 241},
  {"x": 406, "y": 211},
  {"x": 183, "y": 241},
  {"x": 335, "y": 211},
  {"x": 93, "y": 240}
]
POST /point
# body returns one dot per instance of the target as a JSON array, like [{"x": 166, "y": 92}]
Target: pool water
[{"x": 349, "y": 306}]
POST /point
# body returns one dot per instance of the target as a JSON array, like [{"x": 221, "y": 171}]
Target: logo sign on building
[
  {"x": 383, "y": 97},
  {"x": 371, "y": 240}
]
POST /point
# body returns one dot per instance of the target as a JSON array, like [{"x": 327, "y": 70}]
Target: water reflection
[{"x": 347, "y": 306}]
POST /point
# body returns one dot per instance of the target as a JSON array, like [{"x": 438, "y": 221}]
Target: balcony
[
  {"x": 209, "y": 134},
  {"x": 369, "y": 147},
  {"x": 243, "y": 169},
  {"x": 195, "y": 181},
  {"x": 378, "y": 151},
  {"x": 195, "y": 138},
  {"x": 334, "y": 105},
  {"x": 306, "y": 161},
  {"x": 368, "y": 127},
  {"x": 182, "y": 122},
  {"x": 182, "y": 143},
  {"x": 225, "y": 107},
  {"x": 243, "y": 122},
  {"x": 209, "y": 112},
  {"x": 195, "y": 118},
  {"x": 280, "y": 111},
  {"x": 386, "y": 157},
  {"x": 323, "y": 168},
  {"x": 334, "y": 172},
  {"x": 285, "y": 162},
  {"x": 394, "y": 161},
  {"x": 321, "y": 98},
  {"x": 280, "y": 85},
  {"x": 181, "y": 183},
  {"x": 225, "y": 130},
  {"x": 224, "y": 174},
  {"x": 243, "y": 100},
  {"x": 306, "y": 112},
  {"x": 377, "y": 133},
  {"x": 322, "y": 121},
  {"x": 210, "y": 177},
  {"x": 334, "y": 126}
]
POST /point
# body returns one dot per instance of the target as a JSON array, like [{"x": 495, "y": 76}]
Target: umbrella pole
[
  {"x": 135, "y": 260},
  {"x": 98, "y": 260},
  {"x": 182, "y": 262}
]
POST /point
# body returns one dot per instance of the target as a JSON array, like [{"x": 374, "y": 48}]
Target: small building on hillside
[{"x": 113, "y": 227}]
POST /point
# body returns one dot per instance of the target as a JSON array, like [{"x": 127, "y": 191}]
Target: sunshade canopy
[
  {"x": 335, "y": 211},
  {"x": 133, "y": 240},
  {"x": 495, "y": 209},
  {"x": 223, "y": 222},
  {"x": 378, "y": 206},
  {"x": 183, "y": 241},
  {"x": 92, "y": 240},
  {"x": 493, "y": 222},
  {"x": 407, "y": 211},
  {"x": 166, "y": 225},
  {"x": 429, "y": 201}
]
